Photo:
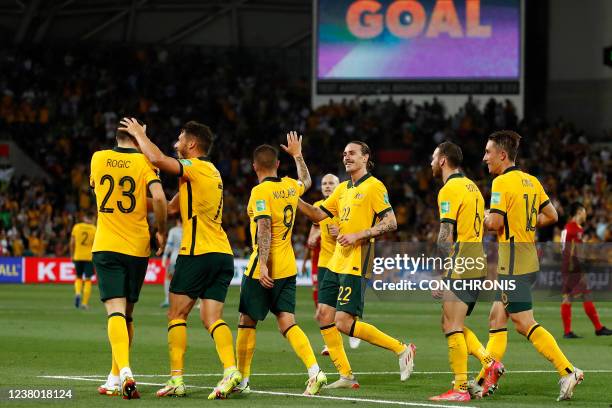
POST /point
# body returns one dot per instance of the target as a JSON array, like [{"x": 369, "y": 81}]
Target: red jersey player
[{"x": 574, "y": 278}]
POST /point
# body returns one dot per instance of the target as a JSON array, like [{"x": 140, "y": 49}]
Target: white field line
[
  {"x": 290, "y": 394},
  {"x": 304, "y": 374}
]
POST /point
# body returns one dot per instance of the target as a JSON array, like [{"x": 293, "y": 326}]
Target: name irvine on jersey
[
  {"x": 121, "y": 164},
  {"x": 284, "y": 193}
]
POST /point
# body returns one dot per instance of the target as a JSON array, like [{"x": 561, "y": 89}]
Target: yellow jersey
[
  {"x": 518, "y": 197},
  {"x": 462, "y": 205},
  {"x": 277, "y": 199},
  {"x": 201, "y": 205},
  {"x": 83, "y": 234},
  {"x": 120, "y": 178},
  {"x": 328, "y": 242},
  {"x": 358, "y": 206}
]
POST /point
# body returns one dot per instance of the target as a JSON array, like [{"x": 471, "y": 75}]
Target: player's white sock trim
[
  {"x": 244, "y": 382},
  {"x": 313, "y": 370},
  {"x": 125, "y": 372},
  {"x": 113, "y": 379}
]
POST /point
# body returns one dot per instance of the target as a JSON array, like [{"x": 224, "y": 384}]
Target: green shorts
[
  {"x": 519, "y": 298},
  {"x": 204, "y": 276},
  {"x": 120, "y": 275},
  {"x": 256, "y": 301},
  {"x": 83, "y": 268},
  {"x": 321, "y": 272},
  {"x": 344, "y": 292},
  {"x": 465, "y": 292}
]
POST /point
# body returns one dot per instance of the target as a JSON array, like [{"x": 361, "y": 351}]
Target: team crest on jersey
[
  {"x": 260, "y": 205},
  {"x": 495, "y": 198},
  {"x": 358, "y": 196},
  {"x": 445, "y": 207},
  {"x": 185, "y": 162}
]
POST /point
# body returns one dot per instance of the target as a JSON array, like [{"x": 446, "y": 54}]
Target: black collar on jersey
[
  {"x": 125, "y": 149},
  {"x": 204, "y": 158},
  {"x": 455, "y": 175},
  {"x": 358, "y": 182},
  {"x": 274, "y": 179},
  {"x": 509, "y": 169}
]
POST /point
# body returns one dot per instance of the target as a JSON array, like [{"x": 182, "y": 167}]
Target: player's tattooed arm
[
  {"x": 294, "y": 148},
  {"x": 315, "y": 214},
  {"x": 148, "y": 148},
  {"x": 445, "y": 238},
  {"x": 388, "y": 223},
  {"x": 264, "y": 237}
]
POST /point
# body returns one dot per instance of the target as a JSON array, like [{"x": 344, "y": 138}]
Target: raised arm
[
  {"x": 547, "y": 216},
  {"x": 315, "y": 214},
  {"x": 160, "y": 209},
  {"x": 148, "y": 148},
  {"x": 294, "y": 148}
]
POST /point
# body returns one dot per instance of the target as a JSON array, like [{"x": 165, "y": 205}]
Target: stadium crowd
[{"x": 60, "y": 106}]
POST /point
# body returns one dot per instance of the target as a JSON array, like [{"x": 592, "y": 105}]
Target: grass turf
[{"x": 43, "y": 335}]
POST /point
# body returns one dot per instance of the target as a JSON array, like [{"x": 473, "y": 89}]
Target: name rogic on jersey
[
  {"x": 518, "y": 197},
  {"x": 462, "y": 205},
  {"x": 358, "y": 206},
  {"x": 328, "y": 242},
  {"x": 120, "y": 179},
  {"x": 276, "y": 199},
  {"x": 201, "y": 204},
  {"x": 83, "y": 234}
]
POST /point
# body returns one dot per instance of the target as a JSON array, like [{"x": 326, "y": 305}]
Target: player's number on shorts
[
  {"x": 346, "y": 211},
  {"x": 127, "y": 192},
  {"x": 344, "y": 294},
  {"x": 287, "y": 219},
  {"x": 531, "y": 215}
]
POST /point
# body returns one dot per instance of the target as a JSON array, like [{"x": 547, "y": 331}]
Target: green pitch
[{"x": 43, "y": 335}]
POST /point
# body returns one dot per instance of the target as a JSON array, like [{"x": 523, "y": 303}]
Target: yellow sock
[
  {"x": 245, "y": 348},
  {"x": 475, "y": 347},
  {"x": 177, "y": 344},
  {"x": 457, "y": 357},
  {"x": 372, "y": 335},
  {"x": 496, "y": 347},
  {"x": 300, "y": 344},
  {"x": 119, "y": 339},
  {"x": 333, "y": 341},
  {"x": 224, "y": 342},
  {"x": 78, "y": 286},
  {"x": 547, "y": 346},
  {"x": 86, "y": 292},
  {"x": 130, "y": 329}
]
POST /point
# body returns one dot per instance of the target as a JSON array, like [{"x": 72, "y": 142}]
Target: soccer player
[
  {"x": 121, "y": 178},
  {"x": 81, "y": 241},
  {"x": 268, "y": 284},
  {"x": 358, "y": 203},
  {"x": 574, "y": 278},
  {"x": 461, "y": 208},
  {"x": 519, "y": 205},
  {"x": 322, "y": 241},
  {"x": 205, "y": 264},
  {"x": 173, "y": 245}
]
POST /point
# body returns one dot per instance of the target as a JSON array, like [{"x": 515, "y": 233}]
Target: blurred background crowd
[{"x": 60, "y": 106}]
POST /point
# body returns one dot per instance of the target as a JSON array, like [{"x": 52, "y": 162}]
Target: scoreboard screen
[{"x": 453, "y": 41}]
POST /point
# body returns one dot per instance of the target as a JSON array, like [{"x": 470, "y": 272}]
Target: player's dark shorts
[
  {"x": 518, "y": 299},
  {"x": 343, "y": 291},
  {"x": 464, "y": 290},
  {"x": 322, "y": 271},
  {"x": 120, "y": 275},
  {"x": 204, "y": 276},
  {"x": 256, "y": 301},
  {"x": 83, "y": 268}
]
